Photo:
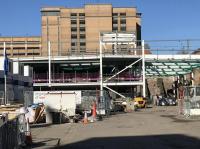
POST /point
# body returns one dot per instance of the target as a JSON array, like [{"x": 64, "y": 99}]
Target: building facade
[
  {"x": 21, "y": 46},
  {"x": 77, "y": 30},
  {"x": 73, "y": 36},
  {"x": 74, "y": 31}
]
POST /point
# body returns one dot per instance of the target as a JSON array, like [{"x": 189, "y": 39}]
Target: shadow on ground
[
  {"x": 44, "y": 141},
  {"x": 183, "y": 119},
  {"x": 174, "y": 141}
]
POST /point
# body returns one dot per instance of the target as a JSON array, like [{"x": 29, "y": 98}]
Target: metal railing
[
  {"x": 12, "y": 132},
  {"x": 83, "y": 77},
  {"x": 9, "y": 135},
  {"x": 91, "y": 48}
]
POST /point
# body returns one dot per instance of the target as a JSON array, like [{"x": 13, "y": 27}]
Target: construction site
[{"x": 90, "y": 66}]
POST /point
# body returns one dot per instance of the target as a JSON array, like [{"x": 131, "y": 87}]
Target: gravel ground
[{"x": 150, "y": 128}]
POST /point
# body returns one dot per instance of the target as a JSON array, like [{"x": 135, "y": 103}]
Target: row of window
[
  {"x": 83, "y": 14},
  {"x": 57, "y": 13},
  {"x": 122, "y": 28},
  {"x": 116, "y": 22},
  {"x": 74, "y": 29},
  {"x": 73, "y": 44},
  {"x": 121, "y": 21},
  {"x": 75, "y": 21},
  {"x": 119, "y": 14},
  {"x": 74, "y": 36},
  {"x": 14, "y": 54},
  {"x": 22, "y": 48},
  {"x": 50, "y": 13},
  {"x": 77, "y": 14}
]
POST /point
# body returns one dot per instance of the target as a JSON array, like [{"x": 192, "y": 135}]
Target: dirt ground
[{"x": 150, "y": 128}]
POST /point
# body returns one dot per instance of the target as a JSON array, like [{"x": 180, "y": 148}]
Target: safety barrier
[
  {"x": 12, "y": 132},
  {"x": 9, "y": 135},
  {"x": 82, "y": 77}
]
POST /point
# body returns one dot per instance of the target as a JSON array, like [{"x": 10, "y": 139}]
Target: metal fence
[
  {"x": 9, "y": 135},
  {"x": 173, "y": 47},
  {"x": 12, "y": 132},
  {"x": 1, "y": 97},
  {"x": 91, "y": 48},
  {"x": 192, "y": 101}
]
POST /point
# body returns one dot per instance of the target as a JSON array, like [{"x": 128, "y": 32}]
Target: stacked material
[
  {"x": 10, "y": 110},
  {"x": 35, "y": 113}
]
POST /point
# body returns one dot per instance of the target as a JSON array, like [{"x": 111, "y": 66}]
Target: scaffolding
[{"x": 115, "y": 41}]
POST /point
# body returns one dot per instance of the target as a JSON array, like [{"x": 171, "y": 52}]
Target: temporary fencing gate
[
  {"x": 9, "y": 134},
  {"x": 28, "y": 98},
  {"x": 1, "y": 97},
  {"x": 12, "y": 132}
]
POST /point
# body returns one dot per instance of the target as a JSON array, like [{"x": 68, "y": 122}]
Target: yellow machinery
[{"x": 141, "y": 102}]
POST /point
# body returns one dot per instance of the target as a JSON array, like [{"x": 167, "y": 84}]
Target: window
[
  {"x": 50, "y": 13},
  {"x": 82, "y": 50},
  {"x": 73, "y": 36},
  {"x": 73, "y": 15},
  {"x": 82, "y": 36},
  {"x": 73, "y": 22},
  {"x": 123, "y": 28},
  {"x": 30, "y": 48},
  {"x": 81, "y": 15},
  {"x": 73, "y": 44},
  {"x": 82, "y": 21},
  {"x": 122, "y": 14},
  {"x": 115, "y": 28},
  {"x": 115, "y": 25},
  {"x": 82, "y": 29},
  {"x": 138, "y": 15},
  {"x": 123, "y": 21},
  {"x": 82, "y": 43},
  {"x": 73, "y": 29},
  {"x": 73, "y": 50},
  {"x": 115, "y": 14},
  {"x": 18, "y": 54},
  {"x": 33, "y": 54},
  {"x": 115, "y": 21},
  {"x": 18, "y": 48}
]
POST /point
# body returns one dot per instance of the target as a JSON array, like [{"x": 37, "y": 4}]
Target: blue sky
[{"x": 161, "y": 19}]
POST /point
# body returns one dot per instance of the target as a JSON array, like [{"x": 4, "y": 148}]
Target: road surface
[{"x": 150, "y": 128}]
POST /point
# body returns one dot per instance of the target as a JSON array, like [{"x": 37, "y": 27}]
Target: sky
[{"x": 161, "y": 19}]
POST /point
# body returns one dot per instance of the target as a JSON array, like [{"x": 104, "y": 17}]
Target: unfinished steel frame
[{"x": 115, "y": 39}]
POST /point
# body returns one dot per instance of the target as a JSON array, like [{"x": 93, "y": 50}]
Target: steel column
[
  {"x": 49, "y": 58},
  {"x": 143, "y": 70}
]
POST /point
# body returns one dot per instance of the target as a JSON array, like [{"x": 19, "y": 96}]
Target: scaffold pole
[{"x": 143, "y": 70}]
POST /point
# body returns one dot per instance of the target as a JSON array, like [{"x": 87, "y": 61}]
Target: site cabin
[{"x": 58, "y": 101}]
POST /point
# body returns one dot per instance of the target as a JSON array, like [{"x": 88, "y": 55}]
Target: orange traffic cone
[
  {"x": 85, "y": 120},
  {"x": 94, "y": 111},
  {"x": 28, "y": 134}
]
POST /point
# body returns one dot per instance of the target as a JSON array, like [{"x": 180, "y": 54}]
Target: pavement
[{"x": 150, "y": 128}]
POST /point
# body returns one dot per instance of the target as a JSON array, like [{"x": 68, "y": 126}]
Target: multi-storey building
[
  {"x": 21, "y": 46},
  {"x": 74, "y": 30},
  {"x": 77, "y": 30},
  {"x": 87, "y": 48}
]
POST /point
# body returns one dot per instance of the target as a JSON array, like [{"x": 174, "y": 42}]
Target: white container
[{"x": 57, "y": 101}]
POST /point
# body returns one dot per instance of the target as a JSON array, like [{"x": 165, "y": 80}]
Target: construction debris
[{"x": 34, "y": 113}]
